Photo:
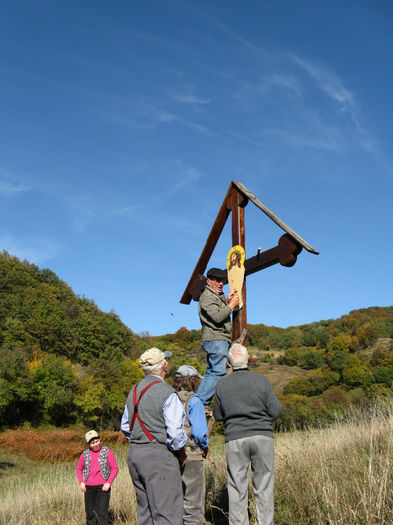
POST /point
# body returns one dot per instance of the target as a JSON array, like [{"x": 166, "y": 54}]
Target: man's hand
[
  {"x": 206, "y": 453},
  {"x": 233, "y": 300},
  {"x": 82, "y": 486},
  {"x": 182, "y": 457},
  {"x": 106, "y": 487}
]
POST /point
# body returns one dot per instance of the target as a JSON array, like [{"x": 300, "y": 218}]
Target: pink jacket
[{"x": 95, "y": 476}]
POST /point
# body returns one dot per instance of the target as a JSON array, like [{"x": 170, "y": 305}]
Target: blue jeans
[{"x": 217, "y": 353}]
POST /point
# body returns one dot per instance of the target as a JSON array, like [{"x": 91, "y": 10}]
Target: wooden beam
[
  {"x": 211, "y": 242},
  {"x": 236, "y": 203},
  {"x": 285, "y": 253}
]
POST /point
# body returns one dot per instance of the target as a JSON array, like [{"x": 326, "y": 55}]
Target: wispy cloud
[
  {"x": 176, "y": 179},
  {"x": 186, "y": 175},
  {"x": 122, "y": 210},
  {"x": 36, "y": 250},
  {"x": 330, "y": 83},
  {"x": 9, "y": 187},
  {"x": 191, "y": 99},
  {"x": 83, "y": 211},
  {"x": 281, "y": 81},
  {"x": 336, "y": 90}
]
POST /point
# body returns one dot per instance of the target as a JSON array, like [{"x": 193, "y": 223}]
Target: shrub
[{"x": 384, "y": 375}]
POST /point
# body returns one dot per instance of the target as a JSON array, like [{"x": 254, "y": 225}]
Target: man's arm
[
  {"x": 174, "y": 418},
  {"x": 217, "y": 413},
  {"x": 273, "y": 405},
  {"x": 197, "y": 419},
  {"x": 125, "y": 424}
]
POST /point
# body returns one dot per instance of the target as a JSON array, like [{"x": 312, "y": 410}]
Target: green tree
[
  {"x": 356, "y": 375},
  {"x": 382, "y": 356},
  {"x": 366, "y": 333},
  {"x": 341, "y": 342},
  {"x": 312, "y": 384},
  {"x": 383, "y": 375},
  {"x": 337, "y": 360},
  {"x": 297, "y": 413},
  {"x": 16, "y": 336},
  {"x": 56, "y": 384},
  {"x": 89, "y": 399},
  {"x": 107, "y": 406},
  {"x": 16, "y": 388},
  {"x": 310, "y": 359}
]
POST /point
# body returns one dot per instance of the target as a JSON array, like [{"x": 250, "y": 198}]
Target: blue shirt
[
  {"x": 174, "y": 417},
  {"x": 197, "y": 419}
]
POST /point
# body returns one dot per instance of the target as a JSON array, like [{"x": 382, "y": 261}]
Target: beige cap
[
  {"x": 91, "y": 435},
  {"x": 153, "y": 356}
]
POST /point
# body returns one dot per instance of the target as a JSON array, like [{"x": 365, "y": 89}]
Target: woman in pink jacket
[{"x": 96, "y": 471}]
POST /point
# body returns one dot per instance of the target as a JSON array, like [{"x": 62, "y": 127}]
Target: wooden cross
[{"x": 288, "y": 248}]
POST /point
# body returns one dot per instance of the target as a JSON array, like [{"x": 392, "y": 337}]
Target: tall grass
[
  {"x": 340, "y": 475},
  {"x": 32, "y": 493}
]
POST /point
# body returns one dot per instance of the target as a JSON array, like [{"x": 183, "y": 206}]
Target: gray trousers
[
  {"x": 193, "y": 479},
  {"x": 259, "y": 451},
  {"x": 155, "y": 473}
]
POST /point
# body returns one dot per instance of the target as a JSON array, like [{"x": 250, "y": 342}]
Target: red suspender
[{"x": 136, "y": 414}]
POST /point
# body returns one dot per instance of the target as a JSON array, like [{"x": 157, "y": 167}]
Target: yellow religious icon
[{"x": 235, "y": 270}]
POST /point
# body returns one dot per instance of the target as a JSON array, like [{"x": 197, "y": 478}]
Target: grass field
[{"x": 340, "y": 475}]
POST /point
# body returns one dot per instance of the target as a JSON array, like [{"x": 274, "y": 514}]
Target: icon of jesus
[{"x": 235, "y": 270}]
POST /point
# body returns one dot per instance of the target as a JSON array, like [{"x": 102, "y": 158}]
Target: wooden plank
[{"x": 274, "y": 217}]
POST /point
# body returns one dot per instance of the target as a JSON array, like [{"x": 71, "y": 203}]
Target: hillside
[
  {"x": 62, "y": 360},
  {"x": 38, "y": 311},
  {"x": 319, "y": 369}
]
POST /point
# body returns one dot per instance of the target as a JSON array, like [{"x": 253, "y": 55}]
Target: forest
[{"x": 63, "y": 361}]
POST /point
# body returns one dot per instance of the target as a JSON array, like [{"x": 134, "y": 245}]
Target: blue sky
[{"x": 123, "y": 123}]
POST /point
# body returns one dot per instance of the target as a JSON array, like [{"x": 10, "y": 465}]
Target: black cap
[{"x": 217, "y": 274}]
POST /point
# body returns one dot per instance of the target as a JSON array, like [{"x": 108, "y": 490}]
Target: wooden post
[{"x": 236, "y": 204}]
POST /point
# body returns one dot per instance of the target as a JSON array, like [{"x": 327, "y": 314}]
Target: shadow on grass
[
  {"x": 5, "y": 466},
  {"x": 217, "y": 511}
]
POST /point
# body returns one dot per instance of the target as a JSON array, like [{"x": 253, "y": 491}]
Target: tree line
[{"x": 64, "y": 361}]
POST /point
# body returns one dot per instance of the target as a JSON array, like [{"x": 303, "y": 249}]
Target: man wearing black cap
[{"x": 215, "y": 315}]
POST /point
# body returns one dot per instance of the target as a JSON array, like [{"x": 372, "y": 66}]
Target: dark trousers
[{"x": 96, "y": 505}]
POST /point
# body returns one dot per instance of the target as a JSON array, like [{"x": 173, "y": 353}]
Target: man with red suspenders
[{"x": 153, "y": 421}]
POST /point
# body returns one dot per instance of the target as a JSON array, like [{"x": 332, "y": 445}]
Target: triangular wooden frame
[{"x": 289, "y": 246}]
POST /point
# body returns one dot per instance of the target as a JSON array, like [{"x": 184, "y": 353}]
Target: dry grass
[
  {"x": 45, "y": 494},
  {"x": 52, "y": 445},
  {"x": 340, "y": 475}
]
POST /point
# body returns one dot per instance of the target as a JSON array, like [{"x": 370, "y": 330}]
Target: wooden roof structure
[{"x": 289, "y": 247}]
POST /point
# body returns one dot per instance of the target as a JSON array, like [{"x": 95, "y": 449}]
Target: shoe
[{"x": 208, "y": 412}]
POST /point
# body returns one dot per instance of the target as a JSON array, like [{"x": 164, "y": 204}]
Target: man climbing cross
[{"x": 215, "y": 316}]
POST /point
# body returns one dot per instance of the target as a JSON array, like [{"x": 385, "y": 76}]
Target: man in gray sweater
[
  {"x": 247, "y": 405},
  {"x": 215, "y": 315}
]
